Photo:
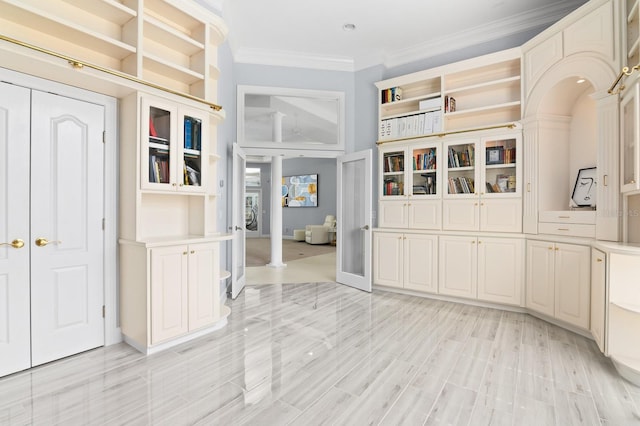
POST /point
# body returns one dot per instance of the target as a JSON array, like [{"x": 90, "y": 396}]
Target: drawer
[
  {"x": 587, "y": 217},
  {"x": 568, "y": 229}
]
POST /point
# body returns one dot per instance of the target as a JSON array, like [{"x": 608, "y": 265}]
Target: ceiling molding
[
  {"x": 292, "y": 59},
  {"x": 491, "y": 31}
]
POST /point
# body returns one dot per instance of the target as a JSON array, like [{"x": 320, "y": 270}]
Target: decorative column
[{"x": 276, "y": 197}]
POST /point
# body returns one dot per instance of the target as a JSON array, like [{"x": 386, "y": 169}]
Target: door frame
[{"x": 112, "y": 333}]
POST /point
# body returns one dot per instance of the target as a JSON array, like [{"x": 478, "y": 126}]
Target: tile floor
[{"x": 323, "y": 353}]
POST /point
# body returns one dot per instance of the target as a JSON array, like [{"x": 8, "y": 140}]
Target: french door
[
  {"x": 52, "y": 257},
  {"x": 354, "y": 202},
  {"x": 238, "y": 261}
]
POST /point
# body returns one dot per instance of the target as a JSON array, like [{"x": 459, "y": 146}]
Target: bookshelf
[
  {"x": 478, "y": 93},
  {"x": 410, "y": 185},
  {"x": 171, "y": 43},
  {"x": 632, "y": 37}
]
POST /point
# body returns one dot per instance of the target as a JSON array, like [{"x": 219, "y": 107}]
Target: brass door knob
[
  {"x": 41, "y": 242},
  {"x": 17, "y": 243}
]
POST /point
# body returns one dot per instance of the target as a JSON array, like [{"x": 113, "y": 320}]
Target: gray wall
[{"x": 299, "y": 217}]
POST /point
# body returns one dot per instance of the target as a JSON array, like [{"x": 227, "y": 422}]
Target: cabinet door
[
  {"x": 192, "y": 153},
  {"x": 540, "y": 277},
  {"x": 425, "y": 171},
  {"x": 388, "y": 259},
  {"x": 598, "y": 296},
  {"x": 425, "y": 214},
  {"x": 204, "y": 284},
  {"x": 169, "y": 293},
  {"x": 158, "y": 156},
  {"x": 421, "y": 262},
  {"x": 393, "y": 214},
  {"x": 572, "y": 284},
  {"x": 500, "y": 270},
  {"x": 393, "y": 173},
  {"x": 460, "y": 215},
  {"x": 503, "y": 215},
  {"x": 458, "y": 266},
  {"x": 629, "y": 160}
]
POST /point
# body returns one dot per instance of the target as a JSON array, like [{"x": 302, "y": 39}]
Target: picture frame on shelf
[
  {"x": 584, "y": 190},
  {"x": 495, "y": 155}
]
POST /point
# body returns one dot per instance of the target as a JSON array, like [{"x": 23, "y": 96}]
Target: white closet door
[
  {"x": 14, "y": 225},
  {"x": 67, "y": 210}
]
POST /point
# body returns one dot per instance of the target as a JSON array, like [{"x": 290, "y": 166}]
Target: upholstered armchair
[{"x": 319, "y": 234}]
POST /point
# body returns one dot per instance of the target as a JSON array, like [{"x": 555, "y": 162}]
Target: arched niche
[{"x": 570, "y": 123}]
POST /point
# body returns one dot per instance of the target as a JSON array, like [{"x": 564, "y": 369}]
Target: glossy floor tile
[{"x": 323, "y": 353}]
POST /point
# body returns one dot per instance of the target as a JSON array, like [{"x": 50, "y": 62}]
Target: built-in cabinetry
[
  {"x": 170, "y": 275},
  {"x": 410, "y": 189},
  {"x": 558, "y": 281},
  {"x": 630, "y": 139},
  {"x": 468, "y": 94},
  {"x": 483, "y": 190},
  {"x": 481, "y": 267},
  {"x": 598, "y": 297},
  {"x": 171, "y": 43},
  {"x": 406, "y": 260}
]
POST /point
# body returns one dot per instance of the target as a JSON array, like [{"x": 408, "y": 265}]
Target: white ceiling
[{"x": 309, "y": 33}]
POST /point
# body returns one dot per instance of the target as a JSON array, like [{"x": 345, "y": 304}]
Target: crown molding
[{"x": 292, "y": 59}]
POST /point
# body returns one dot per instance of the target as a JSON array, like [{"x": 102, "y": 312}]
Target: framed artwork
[
  {"x": 584, "y": 191},
  {"x": 300, "y": 191},
  {"x": 495, "y": 155}
]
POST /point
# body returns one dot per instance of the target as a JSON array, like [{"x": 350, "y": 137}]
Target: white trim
[
  {"x": 292, "y": 59},
  {"x": 112, "y": 333}
]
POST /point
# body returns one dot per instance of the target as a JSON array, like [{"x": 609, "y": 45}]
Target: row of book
[
  {"x": 392, "y": 187},
  {"x": 192, "y": 133},
  {"x": 394, "y": 163},
  {"x": 462, "y": 158},
  {"x": 411, "y": 125},
  {"x": 500, "y": 155},
  {"x": 504, "y": 183},
  {"x": 392, "y": 94},
  {"x": 159, "y": 169},
  {"x": 461, "y": 185},
  {"x": 425, "y": 161},
  {"x": 428, "y": 187},
  {"x": 449, "y": 104}
]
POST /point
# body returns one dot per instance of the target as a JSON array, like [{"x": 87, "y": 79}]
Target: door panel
[
  {"x": 238, "y": 260},
  {"x": 169, "y": 294},
  {"x": 15, "y": 346},
  {"x": 204, "y": 287},
  {"x": 458, "y": 266},
  {"x": 540, "y": 277},
  {"x": 573, "y": 286},
  {"x": 500, "y": 270},
  {"x": 388, "y": 256},
  {"x": 66, "y": 211},
  {"x": 354, "y": 198}
]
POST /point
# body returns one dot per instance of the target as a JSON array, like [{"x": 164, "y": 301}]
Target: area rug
[{"x": 259, "y": 250}]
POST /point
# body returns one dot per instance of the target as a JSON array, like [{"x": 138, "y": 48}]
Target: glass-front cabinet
[
  {"x": 461, "y": 174},
  {"x": 500, "y": 171},
  {"x": 630, "y": 156},
  {"x": 410, "y": 188},
  {"x": 173, "y": 147}
]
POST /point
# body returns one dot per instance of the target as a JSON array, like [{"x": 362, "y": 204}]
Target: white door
[
  {"x": 238, "y": 261},
  {"x": 15, "y": 344},
  {"x": 66, "y": 226},
  {"x": 353, "y": 251},
  {"x": 204, "y": 284}
]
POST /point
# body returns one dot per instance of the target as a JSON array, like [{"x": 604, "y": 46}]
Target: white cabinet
[
  {"x": 483, "y": 268},
  {"x": 482, "y": 91},
  {"x": 410, "y": 186},
  {"x": 598, "y": 296},
  {"x": 181, "y": 291},
  {"x": 624, "y": 314},
  {"x": 172, "y": 150},
  {"x": 483, "y": 189},
  {"x": 501, "y": 270},
  {"x": 169, "y": 43},
  {"x": 558, "y": 281},
  {"x": 406, "y": 261}
]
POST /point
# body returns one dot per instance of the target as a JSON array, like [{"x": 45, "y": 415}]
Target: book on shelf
[
  {"x": 152, "y": 128},
  {"x": 191, "y": 174},
  {"x": 461, "y": 185},
  {"x": 392, "y": 94},
  {"x": 411, "y": 125},
  {"x": 449, "y": 104},
  {"x": 188, "y": 134}
]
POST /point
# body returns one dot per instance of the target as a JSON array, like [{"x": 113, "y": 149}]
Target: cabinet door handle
[
  {"x": 193, "y": 251},
  {"x": 605, "y": 178},
  {"x": 473, "y": 242},
  {"x": 184, "y": 253},
  {"x": 557, "y": 249},
  {"x": 529, "y": 187},
  {"x": 598, "y": 260},
  {"x": 550, "y": 248},
  {"x": 563, "y": 229}
]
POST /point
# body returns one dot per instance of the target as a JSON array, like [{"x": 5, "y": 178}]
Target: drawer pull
[
  {"x": 563, "y": 229},
  {"x": 564, "y": 217}
]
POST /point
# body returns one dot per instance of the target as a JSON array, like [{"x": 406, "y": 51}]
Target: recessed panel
[
  {"x": 4, "y": 309},
  {"x": 70, "y": 296}
]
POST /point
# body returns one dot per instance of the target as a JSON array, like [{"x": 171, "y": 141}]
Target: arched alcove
[{"x": 571, "y": 123}]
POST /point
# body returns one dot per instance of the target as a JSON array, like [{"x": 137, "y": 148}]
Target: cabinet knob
[
  {"x": 557, "y": 249},
  {"x": 182, "y": 184},
  {"x": 598, "y": 260},
  {"x": 473, "y": 242},
  {"x": 479, "y": 242},
  {"x": 193, "y": 251},
  {"x": 550, "y": 248},
  {"x": 173, "y": 184},
  {"x": 184, "y": 253}
]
